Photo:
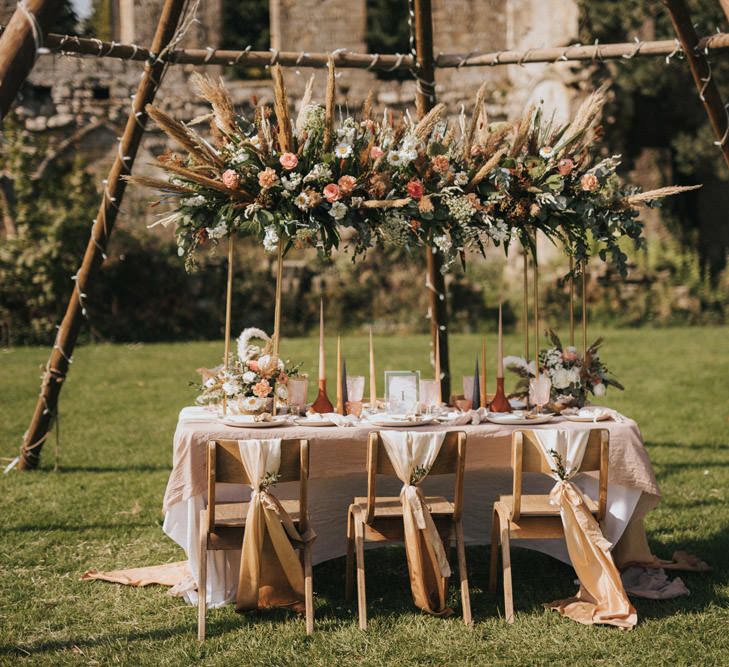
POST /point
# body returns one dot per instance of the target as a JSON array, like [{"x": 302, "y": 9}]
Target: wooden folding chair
[
  {"x": 380, "y": 519},
  {"x": 222, "y": 525},
  {"x": 531, "y": 516}
]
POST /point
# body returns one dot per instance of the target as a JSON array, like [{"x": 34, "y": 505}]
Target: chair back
[
  {"x": 224, "y": 465},
  {"x": 527, "y": 456},
  {"x": 451, "y": 459}
]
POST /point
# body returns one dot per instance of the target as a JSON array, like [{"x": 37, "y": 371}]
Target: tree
[{"x": 655, "y": 105}]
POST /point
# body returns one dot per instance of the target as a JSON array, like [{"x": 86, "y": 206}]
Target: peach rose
[
  {"x": 568, "y": 355},
  {"x": 289, "y": 161},
  {"x": 262, "y": 389},
  {"x": 332, "y": 192},
  {"x": 267, "y": 178},
  {"x": 282, "y": 378},
  {"x": 440, "y": 164},
  {"x": 376, "y": 153},
  {"x": 346, "y": 184},
  {"x": 416, "y": 189},
  {"x": 589, "y": 182},
  {"x": 565, "y": 166},
  {"x": 253, "y": 365},
  {"x": 475, "y": 201},
  {"x": 425, "y": 205},
  {"x": 231, "y": 179}
]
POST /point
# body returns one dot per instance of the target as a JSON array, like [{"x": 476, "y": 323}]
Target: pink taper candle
[{"x": 373, "y": 382}]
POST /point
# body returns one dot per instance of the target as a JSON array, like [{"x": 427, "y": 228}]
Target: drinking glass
[
  {"x": 355, "y": 388},
  {"x": 297, "y": 393},
  {"x": 539, "y": 391}
]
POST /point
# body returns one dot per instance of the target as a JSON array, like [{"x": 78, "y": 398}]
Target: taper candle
[
  {"x": 476, "y": 397},
  {"x": 340, "y": 404},
  {"x": 437, "y": 365},
  {"x": 373, "y": 382},
  {"x": 484, "y": 391},
  {"x": 500, "y": 351},
  {"x": 322, "y": 358}
]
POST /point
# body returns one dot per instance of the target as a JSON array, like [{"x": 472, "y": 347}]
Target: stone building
[{"x": 90, "y": 97}]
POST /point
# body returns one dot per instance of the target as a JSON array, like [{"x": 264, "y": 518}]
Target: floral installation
[
  {"x": 253, "y": 378},
  {"x": 295, "y": 183},
  {"x": 441, "y": 171},
  {"x": 573, "y": 377},
  {"x": 552, "y": 180}
]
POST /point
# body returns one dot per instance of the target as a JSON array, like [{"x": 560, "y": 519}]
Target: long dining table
[{"x": 337, "y": 470}]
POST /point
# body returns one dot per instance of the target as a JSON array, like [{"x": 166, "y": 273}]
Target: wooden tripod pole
[
  {"x": 536, "y": 310},
  {"x": 25, "y": 30},
  {"x": 425, "y": 101},
  {"x": 701, "y": 72},
  {"x": 584, "y": 309},
  {"x": 572, "y": 302},
  {"x": 57, "y": 367}
]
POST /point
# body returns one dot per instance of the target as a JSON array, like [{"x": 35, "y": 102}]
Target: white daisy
[
  {"x": 302, "y": 201},
  {"x": 342, "y": 150}
]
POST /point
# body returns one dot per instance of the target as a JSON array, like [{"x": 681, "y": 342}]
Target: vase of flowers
[
  {"x": 252, "y": 381},
  {"x": 573, "y": 377}
]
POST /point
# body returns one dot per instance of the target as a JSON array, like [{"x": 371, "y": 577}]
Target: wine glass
[{"x": 540, "y": 389}]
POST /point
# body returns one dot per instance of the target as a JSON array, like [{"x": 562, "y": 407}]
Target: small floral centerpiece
[
  {"x": 252, "y": 381},
  {"x": 573, "y": 377}
]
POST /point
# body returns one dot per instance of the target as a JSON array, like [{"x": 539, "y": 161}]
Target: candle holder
[
  {"x": 500, "y": 403},
  {"x": 322, "y": 404}
]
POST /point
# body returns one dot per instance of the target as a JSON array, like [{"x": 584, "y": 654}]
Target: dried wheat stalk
[
  {"x": 219, "y": 98},
  {"x": 281, "y": 109},
  {"x": 479, "y": 111},
  {"x": 429, "y": 121},
  {"x": 329, "y": 107},
  {"x": 484, "y": 171},
  {"x": 659, "y": 193}
]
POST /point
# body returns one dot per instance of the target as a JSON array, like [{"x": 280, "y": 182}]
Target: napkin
[
  {"x": 196, "y": 413},
  {"x": 341, "y": 420}
]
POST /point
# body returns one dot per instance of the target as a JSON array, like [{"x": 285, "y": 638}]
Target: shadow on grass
[{"x": 142, "y": 467}]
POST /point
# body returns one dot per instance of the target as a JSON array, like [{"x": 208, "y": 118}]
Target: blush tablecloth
[{"x": 338, "y": 473}]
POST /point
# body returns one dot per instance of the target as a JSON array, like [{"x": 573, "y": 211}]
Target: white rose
[
  {"x": 249, "y": 376},
  {"x": 561, "y": 379},
  {"x": 281, "y": 392},
  {"x": 210, "y": 382},
  {"x": 599, "y": 389},
  {"x": 574, "y": 375},
  {"x": 230, "y": 388}
]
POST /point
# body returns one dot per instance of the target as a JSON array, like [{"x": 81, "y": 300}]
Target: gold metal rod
[
  {"x": 572, "y": 302},
  {"x": 228, "y": 308},
  {"x": 525, "y": 310},
  {"x": 277, "y": 307},
  {"x": 584, "y": 310},
  {"x": 536, "y": 309}
]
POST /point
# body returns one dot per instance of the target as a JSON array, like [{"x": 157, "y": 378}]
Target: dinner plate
[
  {"x": 584, "y": 418},
  {"x": 399, "y": 422},
  {"x": 244, "y": 421},
  {"x": 507, "y": 419},
  {"x": 307, "y": 421}
]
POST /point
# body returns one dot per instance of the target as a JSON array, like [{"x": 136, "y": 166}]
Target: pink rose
[
  {"x": 440, "y": 164},
  {"x": 231, "y": 179},
  {"x": 282, "y": 378},
  {"x": 267, "y": 178},
  {"x": 376, "y": 152},
  {"x": 289, "y": 161},
  {"x": 253, "y": 365},
  {"x": 346, "y": 184},
  {"x": 565, "y": 166},
  {"x": 475, "y": 201},
  {"x": 589, "y": 182},
  {"x": 416, "y": 189},
  {"x": 332, "y": 192},
  {"x": 262, "y": 389}
]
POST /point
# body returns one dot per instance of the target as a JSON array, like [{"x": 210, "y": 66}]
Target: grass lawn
[{"x": 102, "y": 509}]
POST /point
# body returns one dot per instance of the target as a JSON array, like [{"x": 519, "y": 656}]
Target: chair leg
[
  {"x": 349, "y": 573},
  {"x": 506, "y": 564},
  {"x": 361, "y": 594},
  {"x": 308, "y": 590},
  {"x": 494, "y": 552},
  {"x": 202, "y": 576},
  {"x": 463, "y": 571}
]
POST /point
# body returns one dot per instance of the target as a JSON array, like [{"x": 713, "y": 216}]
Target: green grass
[{"x": 103, "y": 509}]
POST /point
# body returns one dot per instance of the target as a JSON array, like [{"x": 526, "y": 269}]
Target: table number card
[{"x": 402, "y": 386}]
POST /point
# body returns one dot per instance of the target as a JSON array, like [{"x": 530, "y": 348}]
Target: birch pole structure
[
  {"x": 19, "y": 44},
  {"x": 425, "y": 101},
  {"x": 701, "y": 73},
  {"x": 55, "y": 371}
]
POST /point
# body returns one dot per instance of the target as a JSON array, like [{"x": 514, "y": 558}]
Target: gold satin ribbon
[
  {"x": 427, "y": 561},
  {"x": 601, "y": 597},
  {"x": 270, "y": 570}
]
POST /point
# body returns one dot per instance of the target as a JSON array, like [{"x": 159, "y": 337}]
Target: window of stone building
[
  {"x": 246, "y": 22},
  {"x": 388, "y": 31}
]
